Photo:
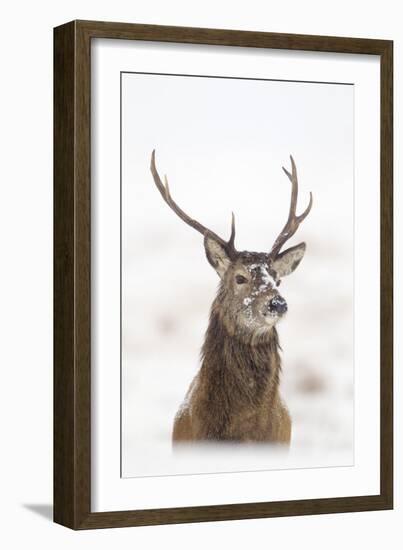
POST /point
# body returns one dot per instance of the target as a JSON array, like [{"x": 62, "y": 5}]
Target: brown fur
[{"x": 235, "y": 396}]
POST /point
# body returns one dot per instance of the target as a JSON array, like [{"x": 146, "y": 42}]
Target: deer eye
[{"x": 240, "y": 279}]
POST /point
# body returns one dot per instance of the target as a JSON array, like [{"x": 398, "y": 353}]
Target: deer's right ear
[
  {"x": 216, "y": 255},
  {"x": 287, "y": 261}
]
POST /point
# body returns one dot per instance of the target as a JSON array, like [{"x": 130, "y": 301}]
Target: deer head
[{"x": 248, "y": 300}]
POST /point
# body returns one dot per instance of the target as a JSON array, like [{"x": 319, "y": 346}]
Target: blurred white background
[{"x": 222, "y": 143}]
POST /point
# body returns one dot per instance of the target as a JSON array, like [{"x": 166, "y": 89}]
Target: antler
[
  {"x": 163, "y": 188},
  {"x": 293, "y": 221}
]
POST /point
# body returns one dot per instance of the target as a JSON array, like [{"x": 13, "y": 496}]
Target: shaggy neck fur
[{"x": 238, "y": 373}]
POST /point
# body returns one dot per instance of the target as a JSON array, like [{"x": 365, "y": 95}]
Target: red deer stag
[{"x": 235, "y": 395}]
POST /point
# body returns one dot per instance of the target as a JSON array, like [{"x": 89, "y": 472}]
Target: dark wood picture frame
[{"x": 72, "y": 268}]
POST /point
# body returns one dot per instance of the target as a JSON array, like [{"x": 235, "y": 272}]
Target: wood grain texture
[
  {"x": 72, "y": 259},
  {"x": 72, "y": 268},
  {"x": 64, "y": 382},
  {"x": 386, "y": 282},
  {"x": 221, "y": 37}
]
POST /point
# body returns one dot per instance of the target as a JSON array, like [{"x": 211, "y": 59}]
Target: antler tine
[
  {"x": 232, "y": 236},
  {"x": 293, "y": 220},
  {"x": 293, "y": 177},
  {"x": 166, "y": 195}
]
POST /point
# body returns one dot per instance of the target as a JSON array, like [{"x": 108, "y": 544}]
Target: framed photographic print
[{"x": 222, "y": 274}]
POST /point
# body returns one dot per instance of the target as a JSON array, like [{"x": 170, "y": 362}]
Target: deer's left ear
[
  {"x": 288, "y": 261},
  {"x": 216, "y": 255}
]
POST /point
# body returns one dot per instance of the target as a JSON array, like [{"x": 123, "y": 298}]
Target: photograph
[
  {"x": 237, "y": 274},
  {"x": 223, "y": 274}
]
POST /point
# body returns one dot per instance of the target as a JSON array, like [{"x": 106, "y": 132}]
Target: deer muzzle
[{"x": 277, "y": 306}]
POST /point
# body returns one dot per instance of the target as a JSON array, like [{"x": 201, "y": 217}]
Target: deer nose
[{"x": 277, "y": 305}]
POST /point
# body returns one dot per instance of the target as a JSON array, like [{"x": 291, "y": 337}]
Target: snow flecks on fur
[
  {"x": 262, "y": 283},
  {"x": 262, "y": 269},
  {"x": 249, "y": 317}
]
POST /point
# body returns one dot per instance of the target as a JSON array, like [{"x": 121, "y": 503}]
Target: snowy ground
[{"x": 168, "y": 286}]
